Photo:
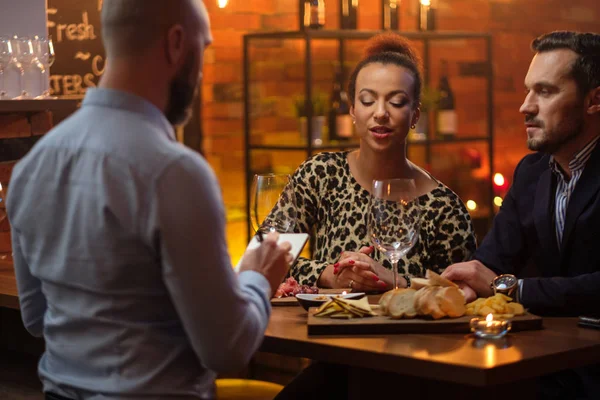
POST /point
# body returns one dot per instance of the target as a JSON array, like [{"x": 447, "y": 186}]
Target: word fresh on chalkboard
[{"x": 75, "y": 29}]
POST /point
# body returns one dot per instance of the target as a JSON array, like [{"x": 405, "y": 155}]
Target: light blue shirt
[{"x": 121, "y": 259}]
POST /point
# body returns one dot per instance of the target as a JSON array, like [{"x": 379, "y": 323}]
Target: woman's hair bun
[{"x": 390, "y": 42}]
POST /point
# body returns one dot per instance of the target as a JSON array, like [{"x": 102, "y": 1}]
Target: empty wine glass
[
  {"x": 6, "y": 57},
  {"x": 29, "y": 66},
  {"x": 393, "y": 218},
  {"x": 44, "y": 51},
  {"x": 272, "y": 204}
]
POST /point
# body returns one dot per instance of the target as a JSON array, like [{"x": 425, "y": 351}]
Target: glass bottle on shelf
[
  {"x": 340, "y": 122},
  {"x": 390, "y": 14},
  {"x": 314, "y": 14},
  {"x": 348, "y": 17},
  {"x": 446, "y": 110},
  {"x": 426, "y": 16}
]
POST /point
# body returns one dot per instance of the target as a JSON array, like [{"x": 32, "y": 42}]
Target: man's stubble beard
[
  {"x": 568, "y": 131},
  {"x": 182, "y": 94}
]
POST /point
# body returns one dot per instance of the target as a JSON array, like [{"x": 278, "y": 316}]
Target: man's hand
[
  {"x": 472, "y": 275},
  {"x": 269, "y": 259},
  {"x": 469, "y": 293}
]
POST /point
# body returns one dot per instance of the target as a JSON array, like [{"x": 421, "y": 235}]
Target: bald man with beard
[{"x": 118, "y": 230}]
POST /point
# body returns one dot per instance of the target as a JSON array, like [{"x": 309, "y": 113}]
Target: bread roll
[
  {"x": 384, "y": 300},
  {"x": 426, "y": 302},
  {"x": 402, "y": 304},
  {"x": 419, "y": 283},
  {"x": 451, "y": 301},
  {"x": 437, "y": 280}
]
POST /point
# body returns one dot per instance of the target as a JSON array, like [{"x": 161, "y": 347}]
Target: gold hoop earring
[{"x": 413, "y": 126}]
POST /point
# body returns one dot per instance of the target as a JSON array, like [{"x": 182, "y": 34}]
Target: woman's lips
[{"x": 380, "y": 132}]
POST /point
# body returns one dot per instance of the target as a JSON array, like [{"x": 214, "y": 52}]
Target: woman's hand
[{"x": 365, "y": 273}]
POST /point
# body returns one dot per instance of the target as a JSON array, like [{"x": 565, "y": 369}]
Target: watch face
[{"x": 505, "y": 282}]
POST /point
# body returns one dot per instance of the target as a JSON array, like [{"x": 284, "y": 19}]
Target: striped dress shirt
[{"x": 565, "y": 186}]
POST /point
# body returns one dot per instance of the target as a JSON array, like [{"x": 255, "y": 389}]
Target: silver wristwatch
[{"x": 508, "y": 285}]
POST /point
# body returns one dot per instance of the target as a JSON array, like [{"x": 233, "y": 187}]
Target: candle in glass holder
[{"x": 490, "y": 328}]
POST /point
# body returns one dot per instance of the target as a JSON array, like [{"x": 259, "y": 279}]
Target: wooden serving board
[
  {"x": 284, "y": 301},
  {"x": 291, "y": 301},
  {"x": 385, "y": 325}
]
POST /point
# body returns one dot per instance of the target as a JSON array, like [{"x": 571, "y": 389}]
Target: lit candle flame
[
  {"x": 344, "y": 293},
  {"x": 489, "y": 319},
  {"x": 0, "y": 187},
  {"x": 426, "y": 2}
]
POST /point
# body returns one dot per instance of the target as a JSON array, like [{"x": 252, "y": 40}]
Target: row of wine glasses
[
  {"x": 28, "y": 59},
  {"x": 393, "y": 214}
]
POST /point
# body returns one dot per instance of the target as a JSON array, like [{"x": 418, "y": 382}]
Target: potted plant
[{"x": 319, "y": 110}]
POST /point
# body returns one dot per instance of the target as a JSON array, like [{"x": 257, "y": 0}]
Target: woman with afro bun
[{"x": 332, "y": 188}]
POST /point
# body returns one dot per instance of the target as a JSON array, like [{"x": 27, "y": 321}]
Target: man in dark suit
[{"x": 550, "y": 218}]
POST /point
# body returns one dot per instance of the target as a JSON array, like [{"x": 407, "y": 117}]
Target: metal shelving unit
[{"x": 341, "y": 36}]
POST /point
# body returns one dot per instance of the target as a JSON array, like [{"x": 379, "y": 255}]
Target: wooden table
[{"x": 457, "y": 358}]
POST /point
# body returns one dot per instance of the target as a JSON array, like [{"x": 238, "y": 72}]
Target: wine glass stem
[
  {"x": 1, "y": 82},
  {"x": 395, "y": 271},
  {"x": 22, "y": 82}
]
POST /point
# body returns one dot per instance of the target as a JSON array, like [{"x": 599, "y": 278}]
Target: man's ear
[
  {"x": 593, "y": 101},
  {"x": 175, "y": 45}
]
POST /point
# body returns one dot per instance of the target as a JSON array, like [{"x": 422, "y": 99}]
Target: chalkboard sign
[{"x": 75, "y": 29}]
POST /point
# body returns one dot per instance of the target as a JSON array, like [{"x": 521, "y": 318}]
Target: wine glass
[
  {"x": 272, "y": 204},
  {"x": 6, "y": 57},
  {"x": 25, "y": 60},
  {"x": 44, "y": 50},
  {"x": 393, "y": 218}
]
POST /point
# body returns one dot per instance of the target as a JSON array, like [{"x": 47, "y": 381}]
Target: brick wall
[{"x": 513, "y": 23}]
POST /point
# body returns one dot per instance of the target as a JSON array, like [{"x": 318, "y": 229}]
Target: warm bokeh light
[
  {"x": 426, "y": 2},
  {"x": 490, "y": 355},
  {"x": 499, "y": 179},
  {"x": 222, "y": 3},
  {"x": 498, "y": 201},
  {"x": 471, "y": 205}
]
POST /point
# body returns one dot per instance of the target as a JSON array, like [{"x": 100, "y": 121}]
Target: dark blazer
[{"x": 523, "y": 232}]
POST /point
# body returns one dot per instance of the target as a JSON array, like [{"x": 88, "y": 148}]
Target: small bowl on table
[{"x": 316, "y": 300}]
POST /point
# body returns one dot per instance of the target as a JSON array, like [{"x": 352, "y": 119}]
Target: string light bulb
[
  {"x": 471, "y": 205},
  {"x": 499, "y": 179}
]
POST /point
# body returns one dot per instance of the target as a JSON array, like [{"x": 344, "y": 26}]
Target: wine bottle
[
  {"x": 314, "y": 14},
  {"x": 426, "y": 16},
  {"x": 390, "y": 14},
  {"x": 348, "y": 10},
  {"x": 340, "y": 121},
  {"x": 446, "y": 110}
]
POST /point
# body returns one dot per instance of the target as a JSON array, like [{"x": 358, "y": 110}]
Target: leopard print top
[{"x": 332, "y": 207}]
